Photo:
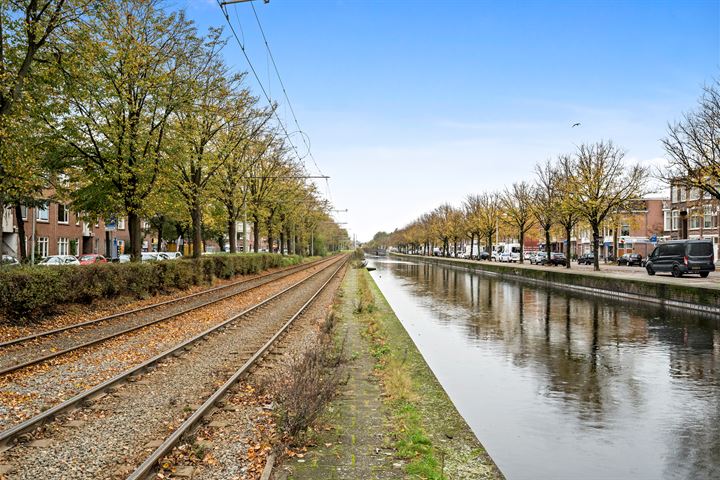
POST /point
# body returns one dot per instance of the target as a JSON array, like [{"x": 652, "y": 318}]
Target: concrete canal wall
[{"x": 668, "y": 291}]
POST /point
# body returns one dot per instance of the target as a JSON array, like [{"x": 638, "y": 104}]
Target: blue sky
[{"x": 411, "y": 104}]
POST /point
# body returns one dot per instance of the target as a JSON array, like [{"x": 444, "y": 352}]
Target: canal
[{"x": 561, "y": 385}]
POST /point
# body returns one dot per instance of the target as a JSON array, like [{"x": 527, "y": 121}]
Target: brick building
[
  {"x": 58, "y": 231},
  {"x": 692, "y": 214}
]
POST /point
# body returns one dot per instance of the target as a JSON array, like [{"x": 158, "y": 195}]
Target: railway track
[
  {"x": 19, "y": 353},
  {"x": 126, "y": 414}
]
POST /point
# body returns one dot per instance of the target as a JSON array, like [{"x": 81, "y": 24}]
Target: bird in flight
[{"x": 575, "y": 125}]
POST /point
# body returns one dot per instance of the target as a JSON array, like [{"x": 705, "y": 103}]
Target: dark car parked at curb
[
  {"x": 630, "y": 259},
  {"x": 682, "y": 256},
  {"x": 556, "y": 258},
  {"x": 586, "y": 259}
]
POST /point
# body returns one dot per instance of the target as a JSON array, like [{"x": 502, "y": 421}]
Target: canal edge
[
  {"x": 695, "y": 298},
  {"x": 460, "y": 452}
]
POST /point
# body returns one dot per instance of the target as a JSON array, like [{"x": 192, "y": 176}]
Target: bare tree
[
  {"x": 488, "y": 217},
  {"x": 546, "y": 199},
  {"x": 600, "y": 183},
  {"x": 693, "y": 146},
  {"x": 567, "y": 216},
  {"x": 518, "y": 204}
]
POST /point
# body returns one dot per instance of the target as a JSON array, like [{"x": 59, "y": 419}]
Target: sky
[{"x": 411, "y": 104}]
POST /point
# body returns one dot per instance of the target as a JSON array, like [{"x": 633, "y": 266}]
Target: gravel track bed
[
  {"x": 30, "y": 391},
  {"x": 20, "y": 353},
  {"x": 239, "y": 449},
  {"x": 75, "y": 313},
  {"x": 116, "y": 433}
]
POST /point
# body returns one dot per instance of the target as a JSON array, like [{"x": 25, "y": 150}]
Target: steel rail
[
  {"x": 7, "y": 435},
  {"x": 150, "y": 463},
  {"x": 47, "y": 333},
  {"x": 89, "y": 343}
]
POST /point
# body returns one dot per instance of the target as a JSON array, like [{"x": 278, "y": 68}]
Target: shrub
[{"x": 32, "y": 291}]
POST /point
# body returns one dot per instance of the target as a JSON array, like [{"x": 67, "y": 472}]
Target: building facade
[{"x": 691, "y": 214}]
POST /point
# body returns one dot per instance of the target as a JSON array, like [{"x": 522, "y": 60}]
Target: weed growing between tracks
[{"x": 304, "y": 387}]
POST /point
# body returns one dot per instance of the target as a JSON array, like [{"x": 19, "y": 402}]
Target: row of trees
[
  {"x": 124, "y": 109},
  {"x": 590, "y": 185}
]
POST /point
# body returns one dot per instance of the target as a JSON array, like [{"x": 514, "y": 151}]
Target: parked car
[
  {"x": 539, "y": 258},
  {"x": 556, "y": 258},
  {"x": 630, "y": 259},
  {"x": 505, "y": 257},
  {"x": 682, "y": 256},
  {"x": 58, "y": 260},
  {"x": 150, "y": 257},
  {"x": 123, "y": 258},
  {"x": 484, "y": 256},
  {"x": 529, "y": 256},
  {"x": 9, "y": 261},
  {"x": 586, "y": 259},
  {"x": 90, "y": 258},
  {"x": 172, "y": 255}
]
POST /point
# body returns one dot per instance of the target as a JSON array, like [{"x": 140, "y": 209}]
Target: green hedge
[{"x": 33, "y": 291}]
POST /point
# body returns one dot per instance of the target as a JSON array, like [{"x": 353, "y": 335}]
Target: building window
[
  {"x": 121, "y": 224},
  {"x": 625, "y": 230},
  {"x": 42, "y": 212},
  {"x": 63, "y": 214},
  {"x": 675, "y": 219},
  {"x": 695, "y": 220},
  {"x": 146, "y": 225},
  {"x": 709, "y": 218},
  {"x": 666, "y": 218},
  {"x": 63, "y": 246},
  {"x": 682, "y": 192},
  {"x": 42, "y": 247},
  {"x": 694, "y": 194},
  {"x": 23, "y": 212}
]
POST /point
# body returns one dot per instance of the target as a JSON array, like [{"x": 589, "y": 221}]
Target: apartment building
[
  {"x": 53, "y": 229},
  {"x": 640, "y": 227},
  {"x": 691, "y": 214}
]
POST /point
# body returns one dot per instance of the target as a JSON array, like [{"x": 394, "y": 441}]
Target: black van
[{"x": 682, "y": 256}]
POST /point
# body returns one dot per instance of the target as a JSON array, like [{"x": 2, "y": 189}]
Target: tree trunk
[
  {"x": 135, "y": 236},
  {"x": 232, "y": 235},
  {"x": 22, "y": 246},
  {"x": 281, "y": 243},
  {"x": 196, "y": 216},
  {"x": 547, "y": 243},
  {"x": 596, "y": 237},
  {"x": 489, "y": 246},
  {"x": 270, "y": 238},
  {"x": 256, "y": 234},
  {"x": 160, "y": 234},
  {"x": 288, "y": 236},
  {"x": 568, "y": 234},
  {"x": 522, "y": 246}
]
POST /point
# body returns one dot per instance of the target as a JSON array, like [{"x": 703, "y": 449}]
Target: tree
[
  {"x": 567, "y": 216},
  {"x": 600, "y": 183},
  {"x": 546, "y": 200},
  {"x": 27, "y": 32},
  {"x": 124, "y": 77},
  {"x": 488, "y": 217},
  {"x": 517, "y": 203},
  {"x": 693, "y": 145},
  {"x": 210, "y": 128}
]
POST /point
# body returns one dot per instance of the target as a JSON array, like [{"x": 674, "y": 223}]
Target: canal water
[{"x": 561, "y": 385}]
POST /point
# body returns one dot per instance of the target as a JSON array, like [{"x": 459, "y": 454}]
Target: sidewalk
[
  {"x": 393, "y": 420},
  {"x": 356, "y": 444}
]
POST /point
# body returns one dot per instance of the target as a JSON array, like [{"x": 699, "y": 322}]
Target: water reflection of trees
[{"x": 590, "y": 353}]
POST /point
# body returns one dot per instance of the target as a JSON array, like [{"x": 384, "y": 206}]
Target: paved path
[{"x": 358, "y": 446}]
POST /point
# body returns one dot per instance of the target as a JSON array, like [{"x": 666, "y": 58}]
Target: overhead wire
[
  {"x": 304, "y": 137},
  {"x": 257, "y": 78}
]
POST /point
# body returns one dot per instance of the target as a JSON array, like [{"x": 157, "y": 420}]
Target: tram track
[
  {"x": 23, "y": 352},
  {"x": 178, "y": 376},
  {"x": 43, "y": 386}
]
